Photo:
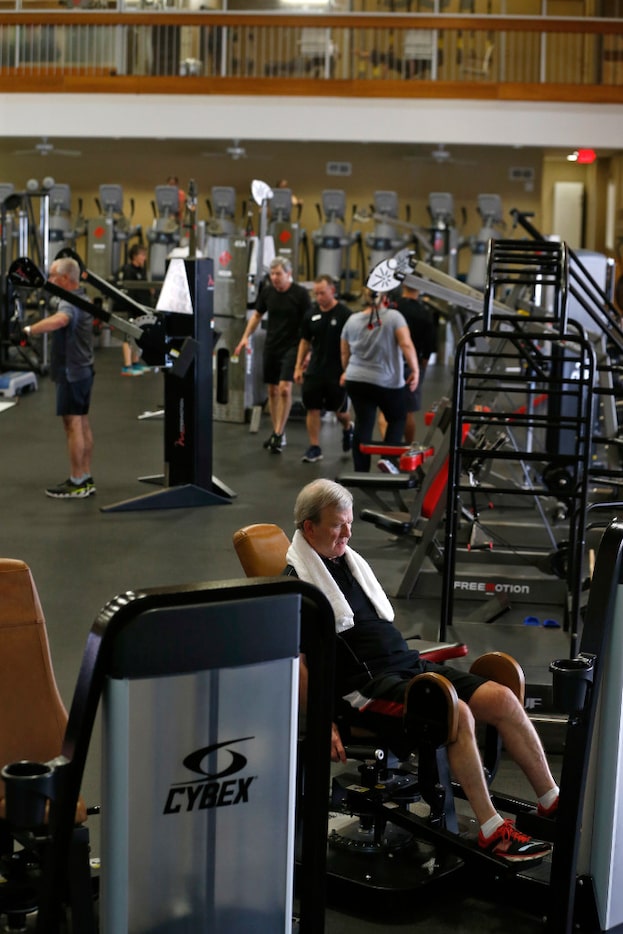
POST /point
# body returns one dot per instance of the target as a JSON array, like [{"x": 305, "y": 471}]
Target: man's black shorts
[
  {"x": 327, "y": 397},
  {"x": 392, "y": 685},
  {"x": 74, "y": 398},
  {"x": 279, "y": 366}
]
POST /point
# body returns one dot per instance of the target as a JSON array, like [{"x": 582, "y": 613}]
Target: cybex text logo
[{"x": 217, "y": 787}]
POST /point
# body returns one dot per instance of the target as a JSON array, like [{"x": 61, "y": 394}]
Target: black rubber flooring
[{"x": 82, "y": 557}]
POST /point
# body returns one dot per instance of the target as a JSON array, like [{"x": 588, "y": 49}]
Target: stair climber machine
[
  {"x": 288, "y": 237},
  {"x": 491, "y": 212},
  {"x": 333, "y": 243},
  {"x": 385, "y": 240},
  {"x": 178, "y": 337},
  {"x": 109, "y": 232},
  {"x": 165, "y": 233},
  {"x": 227, "y": 245}
]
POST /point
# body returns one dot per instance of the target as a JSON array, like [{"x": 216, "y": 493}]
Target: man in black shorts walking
[
  {"x": 320, "y": 347},
  {"x": 286, "y": 303},
  {"x": 72, "y": 371}
]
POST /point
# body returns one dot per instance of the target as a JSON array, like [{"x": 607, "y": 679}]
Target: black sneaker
[
  {"x": 512, "y": 847},
  {"x": 90, "y": 485},
  {"x": 312, "y": 454},
  {"x": 276, "y": 444},
  {"x": 69, "y": 490},
  {"x": 269, "y": 442},
  {"x": 347, "y": 439}
]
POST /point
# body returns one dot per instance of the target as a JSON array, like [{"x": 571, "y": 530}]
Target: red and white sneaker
[{"x": 512, "y": 847}]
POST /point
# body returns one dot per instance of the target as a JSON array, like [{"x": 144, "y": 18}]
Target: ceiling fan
[
  {"x": 45, "y": 148},
  {"x": 440, "y": 156},
  {"x": 236, "y": 151}
]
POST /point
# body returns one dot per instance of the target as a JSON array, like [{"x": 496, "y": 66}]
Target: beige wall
[
  {"x": 595, "y": 179},
  {"x": 140, "y": 165}
]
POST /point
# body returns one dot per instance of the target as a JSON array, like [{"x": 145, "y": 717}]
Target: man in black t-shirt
[
  {"x": 286, "y": 304},
  {"x": 319, "y": 348},
  {"x": 375, "y": 667}
]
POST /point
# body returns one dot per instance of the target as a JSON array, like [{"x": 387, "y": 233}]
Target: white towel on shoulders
[{"x": 311, "y": 568}]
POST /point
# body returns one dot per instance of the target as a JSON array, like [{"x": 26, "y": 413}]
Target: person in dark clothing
[
  {"x": 375, "y": 346},
  {"x": 422, "y": 328},
  {"x": 285, "y": 302},
  {"x": 319, "y": 367},
  {"x": 72, "y": 371},
  {"x": 134, "y": 271},
  {"x": 375, "y": 665}
]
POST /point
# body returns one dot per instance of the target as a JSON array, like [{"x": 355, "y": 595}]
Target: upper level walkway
[{"x": 45, "y": 48}]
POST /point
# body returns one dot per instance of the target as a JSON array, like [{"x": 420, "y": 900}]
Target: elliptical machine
[
  {"x": 164, "y": 234},
  {"x": 62, "y": 233},
  {"x": 385, "y": 240},
  {"x": 108, "y": 231},
  {"x": 490, "y": 210},
  {"x": 285, "y": 230},
  {"x": 333, "y": 243},
  {"x": 444, "y": 237}
]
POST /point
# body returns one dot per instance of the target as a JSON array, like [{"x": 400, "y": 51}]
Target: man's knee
[{"x": 493, "y": 702}]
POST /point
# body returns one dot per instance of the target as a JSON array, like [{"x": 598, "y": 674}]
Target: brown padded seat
[
  {"x": 32, "y": 714},
  {"x": 261, "y": 549}
]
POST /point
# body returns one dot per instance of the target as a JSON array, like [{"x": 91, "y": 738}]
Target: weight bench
[
  {"x": 365, "y": 802},
  {"x": 374, "y": 485},
  {"x": 418, "y": 465}
]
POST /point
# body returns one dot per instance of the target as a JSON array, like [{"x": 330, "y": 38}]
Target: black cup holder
[
  {"x": 571, "y": 681},
  {"x": 28, "y": 787}
]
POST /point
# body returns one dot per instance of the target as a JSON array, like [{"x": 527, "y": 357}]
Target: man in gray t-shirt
[{"x": 72, "y": 371}]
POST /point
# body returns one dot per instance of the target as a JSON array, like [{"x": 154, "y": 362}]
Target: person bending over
[{"x": 374, "y": 666}]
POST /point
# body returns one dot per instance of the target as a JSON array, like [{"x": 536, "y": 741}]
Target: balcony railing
[{"x": 513, "y": 57}]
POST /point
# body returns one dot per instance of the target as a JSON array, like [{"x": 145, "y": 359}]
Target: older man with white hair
[{"x": 375, "y": 667}]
